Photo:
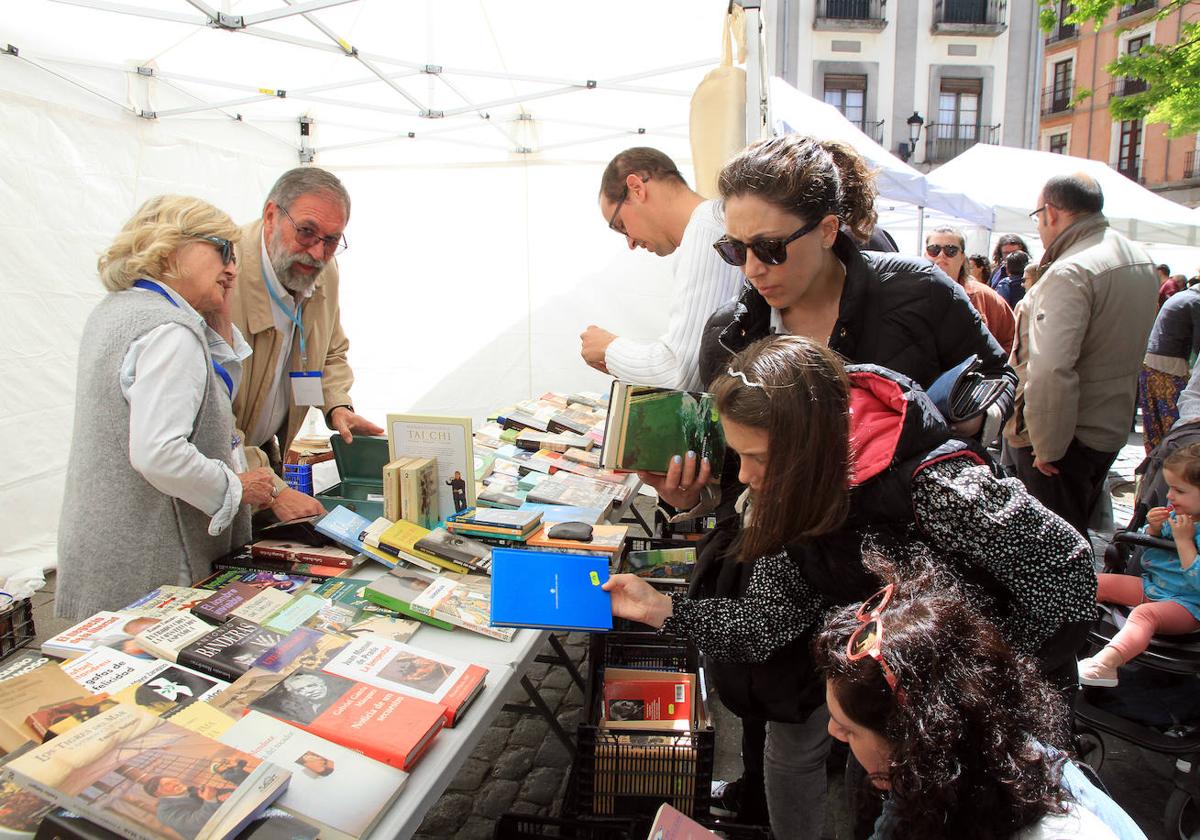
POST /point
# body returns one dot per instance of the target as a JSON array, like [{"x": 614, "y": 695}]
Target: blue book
[
  {"x": 549, "y": 590},
  {"x": 344, "y": 526}
]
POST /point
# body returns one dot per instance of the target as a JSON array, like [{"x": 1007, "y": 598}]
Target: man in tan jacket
[
  {"x": 1081, "y": 336},
  {"x": 287, "y": 309}
]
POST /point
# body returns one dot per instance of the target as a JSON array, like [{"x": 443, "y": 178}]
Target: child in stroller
[{"x": 1166, "y": 598}]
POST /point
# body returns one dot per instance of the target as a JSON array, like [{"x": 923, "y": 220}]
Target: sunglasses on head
[
  {"x": 223, "y": 245},
  {"x": 867, "y": 639},
  {"x": 768, "y": 251},
  {"x": 951, "y": 251}
]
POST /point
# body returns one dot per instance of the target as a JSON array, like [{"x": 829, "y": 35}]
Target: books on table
[
  {"x": 339, "y": 789},
  {"x": 457, "y": 548},
  {"x": 22, "y": 696},
  {"x": 639, "y": 699},
  {"x": 451, "y": 683},
  {"x": 112, "y": 629},
  {"x": 648, "y": 426},
  {"x": 402, "y": 538},
  {"x": 241, "y": 599},
  {"x": 262, "y": 579},
  {"x": 171, "y": 635},
  {"x": 385, "y": 725},
  {"x": 273, "y": 667},
  {"x": 607, "y": 540},
  {"x": 448, "y": 441},
  {"x": 165, "y": 600},
  {"x": 550, "y": 590},
  {"x": 462, "y": 600},
  {"x": 399, "y": 588},
  {"x": 150, "y": 779}
]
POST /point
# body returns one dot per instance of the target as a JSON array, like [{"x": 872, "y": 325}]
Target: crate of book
[
  {"x": 16, "y": 624},
  {"x": 647, "y": 736}
]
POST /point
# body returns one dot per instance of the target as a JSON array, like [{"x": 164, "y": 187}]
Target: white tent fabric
[
  {"x": 477, "y": 251},
  {"x": 794, "y": 111},
  {"x": 1008, "y": 181}
]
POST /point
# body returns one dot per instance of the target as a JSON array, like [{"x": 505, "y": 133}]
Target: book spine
[
  {"x": 212, "y": 667},
  {"x": 292, "y": 556},
  {"x": 77, "y": 805},
  {"x": 404, "y": 609},
  {"x": 255, "y": 566}
]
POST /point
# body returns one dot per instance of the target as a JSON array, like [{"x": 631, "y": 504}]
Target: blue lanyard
[
  {"x": 294, "y": 317},
  {"x": 151, "y": 286}
]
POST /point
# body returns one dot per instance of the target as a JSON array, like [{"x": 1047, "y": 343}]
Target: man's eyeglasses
[
  {"x": 223, "y": 245},
  {"x": 768, "y": 251},
  {"x": 867, "y": 640},
  {"x": 308, "y": 237},
  {"x": 1034, "y": 214},
  {"x": 951, "y": 251}
]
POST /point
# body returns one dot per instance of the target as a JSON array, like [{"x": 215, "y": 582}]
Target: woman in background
[{"x": 157, "y": 486}]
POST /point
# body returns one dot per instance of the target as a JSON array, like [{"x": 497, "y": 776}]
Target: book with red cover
[
  {"x": 296, "y": 552},
  {"x": 384, "y": 725},
  {"x": 648, "y": 699},
  {"x": 670, "y": 824},
  {"x": 451, "y": 683}
]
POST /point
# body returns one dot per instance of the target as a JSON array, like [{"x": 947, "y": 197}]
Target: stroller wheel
[{"x": 1183, "y": 816}]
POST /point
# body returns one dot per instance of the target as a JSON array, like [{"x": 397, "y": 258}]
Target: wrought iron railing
[
  {"x": 1062, "y": 32},
  {"x": 874, "y": 130},
  {"x": 969, "y": 11},
  {"x": 944, "y": 141},
  {"x": 1190, "y": 169},
  {"x": 1056, "y": 100},
  {"x": 851, "y": 9},
  {"x": 1128, "y": 87},
  {"x": 1136, "y": 8}
]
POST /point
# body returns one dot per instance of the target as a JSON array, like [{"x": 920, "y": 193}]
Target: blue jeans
[{"x": 794, "y": 767}]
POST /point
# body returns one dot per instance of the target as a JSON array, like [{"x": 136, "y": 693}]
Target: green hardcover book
[{"x": 648, "y": 426}]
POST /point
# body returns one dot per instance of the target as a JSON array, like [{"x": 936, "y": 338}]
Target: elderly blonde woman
[{"x": 157, "y": 486}]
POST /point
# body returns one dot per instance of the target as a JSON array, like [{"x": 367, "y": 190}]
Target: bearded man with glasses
[
  {"x": 644, "y": 198},
  {"x": 287, "y": 307}
]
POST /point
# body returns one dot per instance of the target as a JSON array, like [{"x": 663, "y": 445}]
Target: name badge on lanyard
[
  {"x": 306, "y": 387},
  {"x": 306, "y": 384}
]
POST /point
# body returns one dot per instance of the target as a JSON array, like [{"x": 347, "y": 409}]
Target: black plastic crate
[
  {"x": 631, "y": 772},
  {"x": 16, "y": 626},
  {"x": 527, "y": 827}
]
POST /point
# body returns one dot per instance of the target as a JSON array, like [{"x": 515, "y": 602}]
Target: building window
[
  {"x": 1134, "y": 46},
  {"x": 1058, "y": 143},
  {"x": 1058, "y": 95},
  {"x": 1127, "y": 154},
  {"x": 957, "y": 126},
  {"x": 849, "y": 95},
  {"x": 1063, "y": 29}
]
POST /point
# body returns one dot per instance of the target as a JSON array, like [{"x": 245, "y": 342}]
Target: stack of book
[
  {"x": 410, "y": 491},
  {"x": 495, "y": 527}
]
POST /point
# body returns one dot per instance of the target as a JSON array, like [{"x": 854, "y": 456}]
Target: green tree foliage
[{"x": 1172, "y": 71}]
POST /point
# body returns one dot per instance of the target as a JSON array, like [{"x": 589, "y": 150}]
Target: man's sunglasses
[
  {"x": 768, "y": 251},
  {"x": 223, "y": 245},
  {"x": 951, "y": 251},
  {"x": 867, "y": 640},
  {"x": 308, "y": 237}
]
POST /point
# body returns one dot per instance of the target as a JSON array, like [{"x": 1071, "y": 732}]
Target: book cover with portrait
[
  {"x": 385, "y": 725},
  {"x": 440, "y": 679}
]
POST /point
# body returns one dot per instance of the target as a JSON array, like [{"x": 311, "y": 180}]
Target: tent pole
[
  {"x": 754, "y": 76},
  {"x": 920, "y": 226}
]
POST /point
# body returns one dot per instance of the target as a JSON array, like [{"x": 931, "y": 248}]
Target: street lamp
[{"x": 907, "y": 150}]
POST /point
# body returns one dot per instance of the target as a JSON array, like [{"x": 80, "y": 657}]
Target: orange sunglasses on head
[{"x": 867, "y": 639}]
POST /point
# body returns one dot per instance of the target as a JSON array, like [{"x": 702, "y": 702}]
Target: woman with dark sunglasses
[
  {"x": 157, "y": 483},
  {"x": 963, "y": 736},
  {"x": 836, "y": 459},
  {"x": 946, "y": 247}
]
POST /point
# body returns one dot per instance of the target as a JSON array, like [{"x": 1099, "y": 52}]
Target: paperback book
[
  {"x": 58, "y": 718},
  {"x": 399, "y": 588},
  {"x": 448, "y": 441},
  {"x": 550, "y": 590},
  {"x": 465, "y": 601},
  {"x": 106, "y": 669},
  {"x": 148, "y": 779},
  {"x": 385, "y": 725},
  {"x": 314, "y": 653},
  {"x": 230, "y": 650},
  {"x": 606, "y": 540},
  {"x": 171, "y": 635},
  {"x": 165, "y": 600},
  {"x": 457, "y": 549},
  {"x": 22, "y": 696},
  {"x": 451, "y": 683},
  {"x": 293, "y": 552},
  {"x": 343, "y": 792},
  {"x": 419, "y": 492},
  {"x": 24, "y": 662},
  {"x": 344, "y": 527},
  {"x": 564, "y": 488},
  {"x": 282, "y": 582},
  {"x": 638, "y": 699},
  {"x": 111, "y": 629},
  {"x": 403, "y": 537},
  {"x": 21, "y": 810},
  {"x": 648, "y": 426}
]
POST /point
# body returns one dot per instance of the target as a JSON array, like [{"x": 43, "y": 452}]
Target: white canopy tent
[
  {"x": 1007, "y": 181},
  {"x": 471, "y": 136}
]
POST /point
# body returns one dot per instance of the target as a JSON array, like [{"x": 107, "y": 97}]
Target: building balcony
[
  {"x": 1062, "y": 32},
  {"x": 983, "y": 18},
  {"x": 1136, "y": 8},
  {"x": 874, "y": 130},
  {"x": 1128, "y": 87},
  {"x": 1056, "y": 101},
  {"x": 1190, "y": 168},
  {"x": 944, "y": 141},
  {"x": 851, "y": 15}
]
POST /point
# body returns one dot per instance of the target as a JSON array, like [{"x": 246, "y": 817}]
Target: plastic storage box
[{"x": 360, "y": 467}]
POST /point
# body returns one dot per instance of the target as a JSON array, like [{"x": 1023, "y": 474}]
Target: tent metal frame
[{"x": 377, "y": 71}]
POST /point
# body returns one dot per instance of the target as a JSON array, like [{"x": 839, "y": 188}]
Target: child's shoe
[{"x": 1092, "y": 672}]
